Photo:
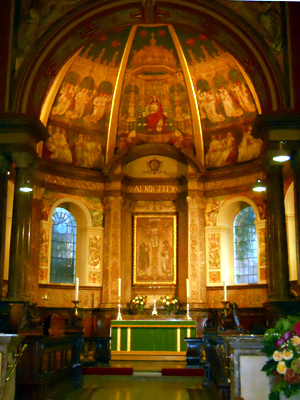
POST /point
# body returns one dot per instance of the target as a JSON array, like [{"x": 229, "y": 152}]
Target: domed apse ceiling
[{"x": 153, "y": 84}]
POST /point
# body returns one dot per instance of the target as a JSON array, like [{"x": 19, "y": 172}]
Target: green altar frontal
[{"x": 150, "y": 340}]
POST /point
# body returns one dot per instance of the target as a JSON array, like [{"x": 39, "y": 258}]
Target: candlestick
[
  {"x": 76, "y": 302},
  {"x": 119, "y": 287},
  {"x": 119, "y": 317},
  {"x": 225, "y": 290},
  {"x": 76, "y": 289},
  {"x": 187, "y": 289},
  {"x": 154, "y": 312},
  {"x": 187, "y": 317}
]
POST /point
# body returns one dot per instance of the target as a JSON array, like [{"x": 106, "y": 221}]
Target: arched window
[
  {"x": 245, "y": 247},
  {"x": 63, "y": 247}
]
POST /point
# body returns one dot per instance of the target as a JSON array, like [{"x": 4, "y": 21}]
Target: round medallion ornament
[{"x": 154, "y": 166}]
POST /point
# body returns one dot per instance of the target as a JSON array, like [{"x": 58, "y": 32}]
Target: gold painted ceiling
[{"x": 153, "y": 84}]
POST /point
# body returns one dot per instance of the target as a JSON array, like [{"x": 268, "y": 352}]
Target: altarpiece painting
[{"x": 155, "y": 249}]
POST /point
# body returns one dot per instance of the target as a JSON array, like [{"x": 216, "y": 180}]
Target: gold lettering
[{"x": 153, "y": 189}]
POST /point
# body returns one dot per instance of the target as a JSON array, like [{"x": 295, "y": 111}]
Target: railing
[
  {"x": 14, "y": 366},
  {"x": 50, "y": 365}
]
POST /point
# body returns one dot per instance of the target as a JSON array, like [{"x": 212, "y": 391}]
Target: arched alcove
[
  {"x": 291, "y": 233},
  {"x": 89, "y": 244},
  {"x": 219, "y": 239}
]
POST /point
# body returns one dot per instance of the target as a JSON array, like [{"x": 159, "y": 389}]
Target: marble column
[
  {"x": 20, "y": 234},
  {"x": 4, "y": 168},
  {"x": 277, "y": 237},
  {"x": 196, "y": 252},
  {"x": 295, "y": 163},
  {"x": 112, "y": 252}
]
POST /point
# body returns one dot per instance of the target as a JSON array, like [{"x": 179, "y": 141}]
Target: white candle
[
  {"x": 119, "y": 287},
  {"x": 187, "y": 288},
  {"x": 225, "y": 290},
  {"x": 76, "y": 289}
]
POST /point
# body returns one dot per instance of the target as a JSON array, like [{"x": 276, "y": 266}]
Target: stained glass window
[
  {"x": 63, "y": 247},
  {"x": 245, "y": 247}
]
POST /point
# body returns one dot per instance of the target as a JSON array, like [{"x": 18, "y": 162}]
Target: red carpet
[
  {"x": 182, "y": 372},
  {"x": 106, "y": 371}
]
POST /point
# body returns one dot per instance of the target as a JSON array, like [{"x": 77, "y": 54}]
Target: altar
[{"x": 146, "y": 339}]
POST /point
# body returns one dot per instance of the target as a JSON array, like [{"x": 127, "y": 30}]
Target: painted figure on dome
[
  {"x": 57, "y": 146},
  {"x": 244, "y": 97},
  {"x": 155, "y": 118},
  {"x": 99, "y": 107},
  {"x": 249, "y": 148},
  {"x": 64, "y": 100},
  {"x": 230, "y": 108},
  {"x": 221, "y": 152},
  {"x": 208, "y": 106}
]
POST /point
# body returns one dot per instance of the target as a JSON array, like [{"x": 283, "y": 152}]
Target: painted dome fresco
[{"x": 153, "y": 84}]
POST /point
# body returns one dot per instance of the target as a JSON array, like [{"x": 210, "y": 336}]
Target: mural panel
[
  {"x": 79, "y": 119},
  {"x": 226, "y": 106},
  {"x": 155, "y": 249},
  {"x": 154, "y": 105}
]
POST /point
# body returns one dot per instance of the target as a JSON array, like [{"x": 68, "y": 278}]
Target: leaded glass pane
[
  {"x": 245, "y": 247},
  {"x": 63, "y": 247}
]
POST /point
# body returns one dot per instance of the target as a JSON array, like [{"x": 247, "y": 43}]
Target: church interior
[{"x": 140, "y": 190}]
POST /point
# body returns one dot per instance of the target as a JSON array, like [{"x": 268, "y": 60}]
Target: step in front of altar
[{"x": 150, "y": 339}]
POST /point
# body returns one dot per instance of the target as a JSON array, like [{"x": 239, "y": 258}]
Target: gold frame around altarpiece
[{"x": 155, "y": 249}]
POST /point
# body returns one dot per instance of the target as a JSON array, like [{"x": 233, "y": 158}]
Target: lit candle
[
  {"x": 225, "y": 290},
  {"x": 187, "y": 288},
  {"x": 119, "y": 287},
  {"x": 76, "y": 289}
]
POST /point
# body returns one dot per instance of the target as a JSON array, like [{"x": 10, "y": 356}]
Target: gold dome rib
[
  {"x": 198, "y": 138},
  {"x": 114, "y": 115}
]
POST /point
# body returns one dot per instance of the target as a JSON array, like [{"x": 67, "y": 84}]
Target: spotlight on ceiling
[
  {"x": 281, "y": 155},
  {"x": 259, "y": 186}
]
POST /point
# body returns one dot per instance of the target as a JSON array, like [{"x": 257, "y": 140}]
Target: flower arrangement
[
  {"x": 138, "y": 303},
  {"x": 282, "y": 345},
  {"x": 169, "y": 303}
]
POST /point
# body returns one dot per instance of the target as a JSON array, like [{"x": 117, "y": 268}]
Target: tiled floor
[{"x": 145, "y": 384}]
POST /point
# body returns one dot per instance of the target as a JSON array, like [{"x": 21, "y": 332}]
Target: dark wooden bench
[{"x": 49, "y": 366}]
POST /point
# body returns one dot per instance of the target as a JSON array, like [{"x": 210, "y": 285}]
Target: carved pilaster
[
  {"x": 112, "y": 251},
  {"x": 196, "y": 251}
]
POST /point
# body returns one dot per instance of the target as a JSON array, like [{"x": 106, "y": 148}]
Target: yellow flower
[
  {"x": 296, "y": 340},
  {"x": 277, "y": 355},
  {"x": 281, "y": 368},
  {"x": 287, "y": 354}
]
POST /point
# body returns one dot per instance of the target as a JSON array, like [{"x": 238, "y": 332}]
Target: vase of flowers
[
  {"x": 169, "y": 303},
  {"x": 138, "y": 303},
  {"x": 282, "y": 345}
]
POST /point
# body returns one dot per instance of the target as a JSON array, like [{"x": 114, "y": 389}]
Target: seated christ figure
[{"x": 155, "y": 117}]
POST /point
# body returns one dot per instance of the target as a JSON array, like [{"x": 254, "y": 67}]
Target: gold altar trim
[
  {"x": 150, "y": 326},
  {"x": 149, "y": 355},
  {"x": 141, "y": 326},
  {"x": 128, "y": 339},
  {"x": 118, "y": 339}
]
